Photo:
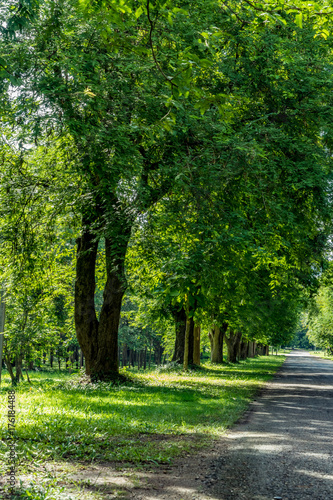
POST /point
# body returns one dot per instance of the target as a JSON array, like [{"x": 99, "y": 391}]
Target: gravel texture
[
  {"x": 282, "y": 448},
  {"x": 285, "y": 448}
]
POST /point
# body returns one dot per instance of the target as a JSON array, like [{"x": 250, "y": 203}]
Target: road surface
[
  {"x": 282, "y": 449},
  {"x": 285, "y": 448}
]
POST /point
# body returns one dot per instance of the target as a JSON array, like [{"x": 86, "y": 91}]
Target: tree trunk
[
  {"x": 124, "y": 356},
  {"x": 18, "y": 368},
  {"x": 233, "y": 342},
  {"x": 243, "y": 349},
  {"x": 76, "y": 357},
  {"x": 216, "y": 335},
  {"x": 191, "y": 342},
  {"x": 99, "y": 338},
  {"x": 250, "y": 351},
  {"x": 10, "y": 368},
  {"x": 187, "y": 343},
  {"x": 196, "y": 345},
  {"x": 26, "y": 371},
  {"x": 158, "y": 351},
  {"x": 180, "y": 326}
]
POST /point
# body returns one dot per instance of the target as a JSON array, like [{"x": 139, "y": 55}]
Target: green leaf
[
  {"x": 299, "y": 20},
  {"x": 205, "y": 63},
  {"x": 138, "y": 12}
]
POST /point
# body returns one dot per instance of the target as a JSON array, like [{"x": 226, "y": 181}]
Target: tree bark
[
  {"x": 18, "y": 368},
  {"x": 216, "y": 335},
  {"x": 187, "y": 343},
  {"x": 196, "y": 345},
  {"x": 250, "y": 352},
  {"x": 180, "y": 326},
  {"x": 9, "y": 368},
  {"x": 191, "y": 342},
  {"x": 233, "y": 342},
  {"x": 124, "y": 356},
  {"x": 99, "y": 338},
  {"x": 243, "y": 349}
]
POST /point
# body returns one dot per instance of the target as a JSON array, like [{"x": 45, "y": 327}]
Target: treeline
[
  {"x": 175, "y": 159},
  {"x": 317, "y": 318}
]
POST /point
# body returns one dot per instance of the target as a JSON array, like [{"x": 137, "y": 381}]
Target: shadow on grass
[{"x": 120, "y": 423}]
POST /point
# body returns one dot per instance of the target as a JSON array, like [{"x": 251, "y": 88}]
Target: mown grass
[{"x": 151, "y": 419}]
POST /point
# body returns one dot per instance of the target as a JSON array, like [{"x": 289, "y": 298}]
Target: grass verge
[
  {"x": 322, "y": 354},
  {"x": 149, "y": 420}
]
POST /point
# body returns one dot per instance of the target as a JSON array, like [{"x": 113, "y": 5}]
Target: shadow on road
[{"x": 283, "y": 448}]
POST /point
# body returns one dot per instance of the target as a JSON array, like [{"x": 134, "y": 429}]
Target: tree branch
[{"x": 167, "y": 78}]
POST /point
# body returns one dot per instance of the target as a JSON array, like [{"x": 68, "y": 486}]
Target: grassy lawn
[
  {"x": 151, "y": 419},
  {"x": 321, "y": 354}
]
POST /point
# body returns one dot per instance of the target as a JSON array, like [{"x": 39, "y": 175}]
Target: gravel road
[{"x": 282, "y": 449}]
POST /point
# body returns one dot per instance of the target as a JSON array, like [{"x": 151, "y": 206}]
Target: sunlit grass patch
[
  {"x": 151, "y": 419},
  {"x": 322, "y": 354}
]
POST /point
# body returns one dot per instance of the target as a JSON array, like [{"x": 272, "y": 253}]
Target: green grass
[
  {"x": 322, "y": 354},
  {"x": 151, "y": 419}
]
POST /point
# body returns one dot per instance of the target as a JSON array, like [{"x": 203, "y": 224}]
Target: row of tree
[
  {"x": 178, "y": 154},
  {"x": 317, "y": 319}
]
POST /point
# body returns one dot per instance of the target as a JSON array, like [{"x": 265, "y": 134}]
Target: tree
[
  {"x": 36, "y": 252},
  {"x": 317, "y": 319},
  {"x": 134, "y": 121}
]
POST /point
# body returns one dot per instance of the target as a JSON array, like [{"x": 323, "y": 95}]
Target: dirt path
[{"x": 283, "y": 448}]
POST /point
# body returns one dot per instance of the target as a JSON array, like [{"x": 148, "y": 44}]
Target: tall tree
[{"x": 140, "y": 91}]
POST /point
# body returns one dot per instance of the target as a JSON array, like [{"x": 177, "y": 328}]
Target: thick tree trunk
[
  {"x": 180, "y": 326},
  {"x": 99, "y": 339},
  {"x": 216, "y": 335},
  {"x": 86, "y": 323},
  {"x": 233, "y": 342},
  {"x": 243, "y": 349},
  {"x": 252, "y": 349},
  {"x": 196, "y": 345}
]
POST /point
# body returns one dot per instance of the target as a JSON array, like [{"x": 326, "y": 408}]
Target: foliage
[
  {"x": 37, "y": 232},
  {"x": 200, "y": 136},
  {"x": 319, "y": 319}
]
